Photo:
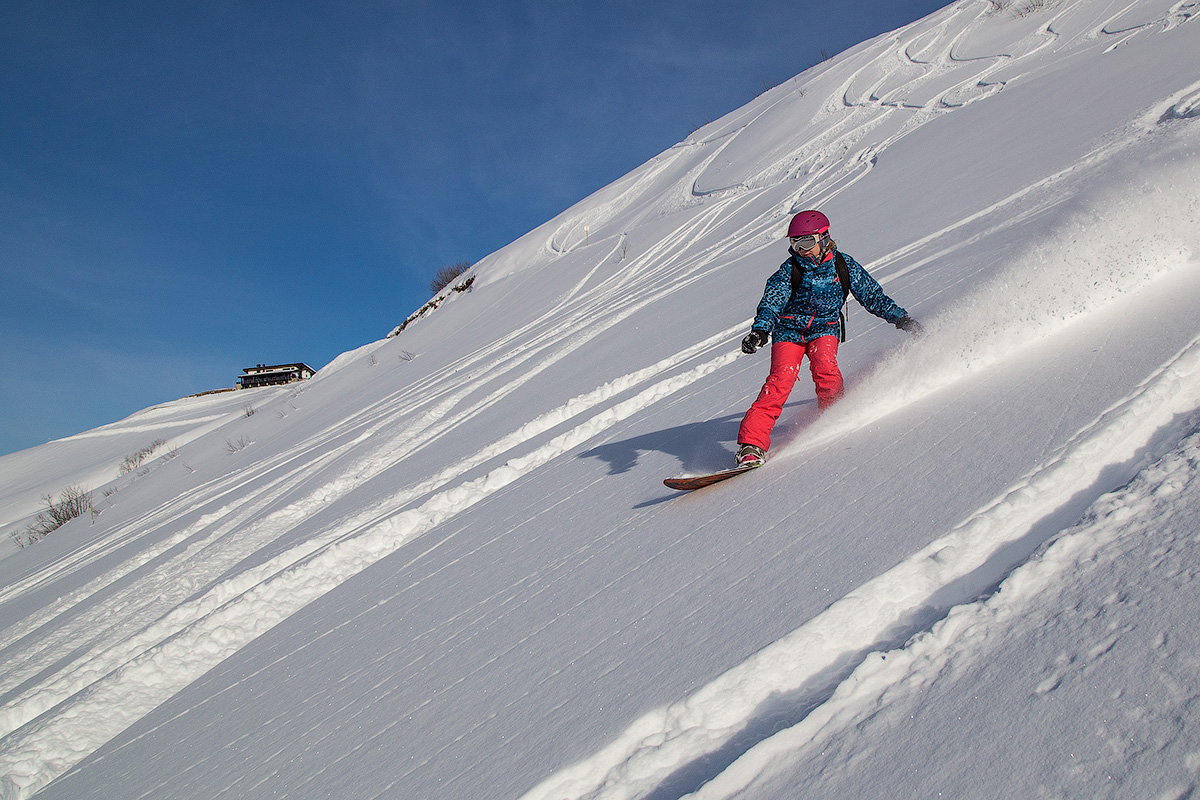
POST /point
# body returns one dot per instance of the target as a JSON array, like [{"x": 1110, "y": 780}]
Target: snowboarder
[{"x": 801, "y": 309}]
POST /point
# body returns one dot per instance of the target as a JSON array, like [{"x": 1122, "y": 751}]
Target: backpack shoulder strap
[{"x": 843, "y": 273}]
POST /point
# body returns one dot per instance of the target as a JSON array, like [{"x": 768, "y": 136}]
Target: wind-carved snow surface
[
  {"x": 654, "y": 747},
  {"x": 446, "y": 566},
  {"x": 1151, "y": 522}
]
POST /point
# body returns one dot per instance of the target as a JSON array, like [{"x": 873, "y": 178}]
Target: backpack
[{"x": 843, "y": 273}]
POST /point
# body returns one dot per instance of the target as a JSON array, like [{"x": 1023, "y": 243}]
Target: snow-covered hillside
[{"x": 446, "y": 566}]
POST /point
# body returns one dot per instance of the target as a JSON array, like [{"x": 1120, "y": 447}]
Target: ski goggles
[{"x": 802, "y": 243}]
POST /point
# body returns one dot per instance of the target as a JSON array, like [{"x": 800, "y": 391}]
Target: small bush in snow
[
  {"x": 236, "y": 447},
  {"x": 1021, "y": 9},
  {"x": 1033, "y": 6},
  {"x": 444, "y": 276},
  {"x": 134, "y": 460},
  {"x": 73, "y": 502},
  {"x": 465, "y": 286}
]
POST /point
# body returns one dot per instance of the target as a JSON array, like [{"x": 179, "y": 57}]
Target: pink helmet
[{"x": 808, "y": 223}]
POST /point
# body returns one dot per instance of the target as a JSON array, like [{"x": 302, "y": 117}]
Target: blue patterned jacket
[{"x": 813, "y": 309}]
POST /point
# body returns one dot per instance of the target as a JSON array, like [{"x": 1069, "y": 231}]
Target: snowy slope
[
  {"x": 95, "y": 457},
  {"x": 446, "y": 566}
]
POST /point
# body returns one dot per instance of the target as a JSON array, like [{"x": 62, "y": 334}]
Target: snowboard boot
[{"x": 749, "y": 455}]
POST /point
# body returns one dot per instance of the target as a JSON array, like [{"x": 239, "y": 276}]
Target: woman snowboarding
[{"x": 801, "y": 309}]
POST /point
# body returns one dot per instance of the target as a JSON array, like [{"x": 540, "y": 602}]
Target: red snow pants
[{"x": 785, "y": 366}]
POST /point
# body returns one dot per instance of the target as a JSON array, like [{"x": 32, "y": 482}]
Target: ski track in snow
[
  {"x": 218, "y": 540},
  {"x": 654, "y": 747},
  {"x": 1039, "y": 303},
  {"x": 158, "y": 624},
  {"x": 886, "y": 679},
  {"x": 108, "y": 692},
  {"x": 658, "y": 745},
  {"x": 148, "y": 641},
  {"x": 129, "y": 643}
]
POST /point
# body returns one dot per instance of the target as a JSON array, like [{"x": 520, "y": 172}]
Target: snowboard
[{"x": 700, "y": 481}]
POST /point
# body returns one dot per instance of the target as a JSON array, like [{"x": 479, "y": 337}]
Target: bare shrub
[
  {"x": 429, "y": 307},
  {"x": 444, "y": 276},
  {"x": 72, "y": 502},
  {"x": 236, "y": 447},
  {"x": 1028, "y": 7},
  {"x": 135, "y": 460},
  {"x": 1020, "y": 9}
]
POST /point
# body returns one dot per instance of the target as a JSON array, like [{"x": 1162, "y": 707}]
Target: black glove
[
  {"x": 753, "y": 341},
  {"x": 910, "y": 326}
]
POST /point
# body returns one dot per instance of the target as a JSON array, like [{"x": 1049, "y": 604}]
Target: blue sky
[{"x": 189, "y": 189}]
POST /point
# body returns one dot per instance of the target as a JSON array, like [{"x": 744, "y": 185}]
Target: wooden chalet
[{"x": 273, "y": 375}]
